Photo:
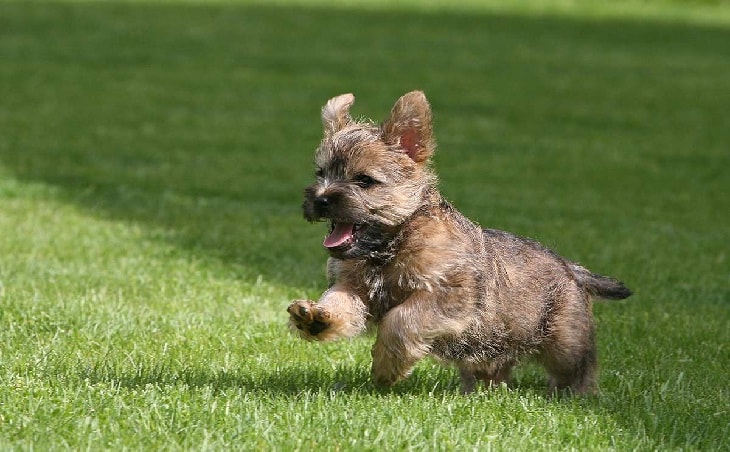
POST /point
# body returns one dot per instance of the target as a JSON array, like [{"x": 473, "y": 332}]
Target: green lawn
[{"x": 152, "y": 161}]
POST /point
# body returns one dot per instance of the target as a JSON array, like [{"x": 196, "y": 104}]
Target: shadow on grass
[
  {"x": 290, "y": 380},
  {"x": 293, "y": 379},
  {"x": 198, "y": 122}
]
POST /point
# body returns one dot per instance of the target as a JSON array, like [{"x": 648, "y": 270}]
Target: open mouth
[{"x": 342, "y": 235}]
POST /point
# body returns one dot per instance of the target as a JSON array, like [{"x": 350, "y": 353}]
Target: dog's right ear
[{"x": 336, "y": 113}]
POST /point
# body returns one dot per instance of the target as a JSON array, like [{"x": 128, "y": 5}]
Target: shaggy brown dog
[{"x": 433, "y": 282}]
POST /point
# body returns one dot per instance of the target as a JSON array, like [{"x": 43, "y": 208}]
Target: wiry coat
[{"x": 433, "y": 282}]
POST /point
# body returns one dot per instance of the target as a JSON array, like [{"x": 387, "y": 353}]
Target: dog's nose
[{"x": 321, "y": 202}]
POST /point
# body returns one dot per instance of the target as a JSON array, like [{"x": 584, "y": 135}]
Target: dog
[{"x": 434, "y": 283}]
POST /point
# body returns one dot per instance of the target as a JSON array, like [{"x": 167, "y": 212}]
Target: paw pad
[{"x": 307, "y": 317}]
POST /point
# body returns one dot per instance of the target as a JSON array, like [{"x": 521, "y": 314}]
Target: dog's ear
[
  {"x": 336, "y": 113},
  {"x": 410, "y": 126}
]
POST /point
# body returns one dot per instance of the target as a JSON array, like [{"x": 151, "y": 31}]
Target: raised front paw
[{"x": 308, "y": 319}]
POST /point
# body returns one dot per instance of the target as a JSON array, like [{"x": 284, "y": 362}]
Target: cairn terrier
[{"x": 433, "y": 282}]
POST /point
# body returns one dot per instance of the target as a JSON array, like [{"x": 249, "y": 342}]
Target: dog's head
[{"x": 370, "y": 178}]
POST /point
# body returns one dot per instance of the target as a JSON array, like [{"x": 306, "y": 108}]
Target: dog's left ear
[
  {"x": 410, "y": 126},
  {"x": 336, "y": 113}
]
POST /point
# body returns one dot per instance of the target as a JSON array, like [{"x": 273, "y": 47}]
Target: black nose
[{"x": 321, "y": 202}]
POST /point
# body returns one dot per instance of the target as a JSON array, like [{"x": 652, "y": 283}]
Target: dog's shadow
[
  {"x": 284, "y": 380},
  {"x": 290, "y": 380}
]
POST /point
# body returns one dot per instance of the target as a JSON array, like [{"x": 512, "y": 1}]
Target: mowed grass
[{"x": 152, "y": 159}]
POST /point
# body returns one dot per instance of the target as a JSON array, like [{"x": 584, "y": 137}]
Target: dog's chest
[{"x": 383, "y": 288}]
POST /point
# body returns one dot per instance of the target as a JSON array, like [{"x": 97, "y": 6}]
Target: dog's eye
[
  {"x": 365, "y": 181},
  {"x": 319, "y": 173}
]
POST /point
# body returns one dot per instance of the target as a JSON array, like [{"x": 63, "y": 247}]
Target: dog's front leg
[
  {"x": 338, "y": 314},
  {"x": 406, "y": 333}
]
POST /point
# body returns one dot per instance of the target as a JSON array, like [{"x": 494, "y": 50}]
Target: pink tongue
[{"x": 341, "y": 234}]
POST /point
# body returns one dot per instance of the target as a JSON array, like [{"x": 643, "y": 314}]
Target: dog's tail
[{"x": 600, "y": 286}]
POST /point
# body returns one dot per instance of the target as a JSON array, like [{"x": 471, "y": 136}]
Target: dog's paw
[{"x": 308, "y": 319}]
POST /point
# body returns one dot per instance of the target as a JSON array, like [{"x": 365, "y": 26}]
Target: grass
[{"x": 152, "y": 157}]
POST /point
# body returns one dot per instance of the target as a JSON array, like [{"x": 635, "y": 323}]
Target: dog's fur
[{"x": 434, "y": 283}]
